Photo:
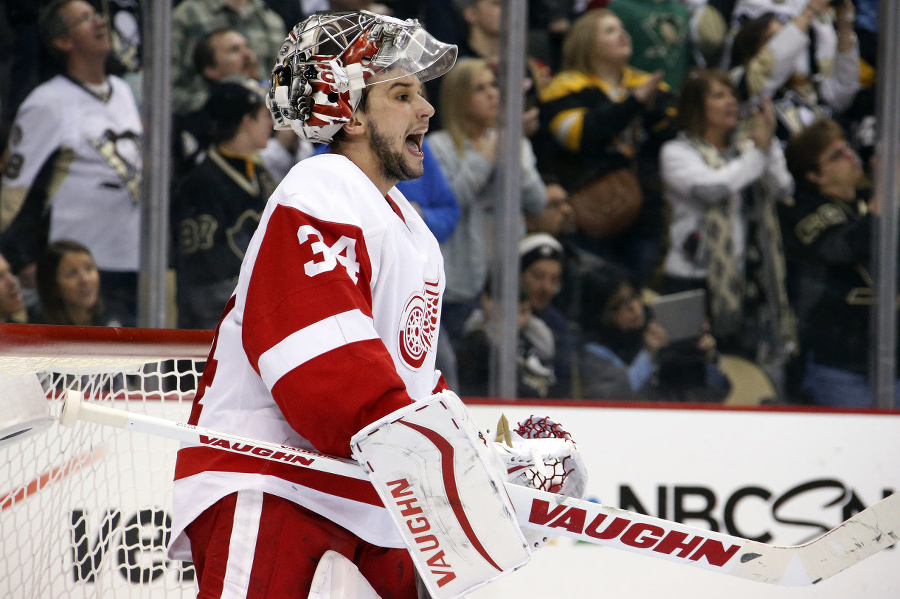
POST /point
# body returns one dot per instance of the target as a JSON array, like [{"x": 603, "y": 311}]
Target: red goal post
[{"x": 86, "y": 512}]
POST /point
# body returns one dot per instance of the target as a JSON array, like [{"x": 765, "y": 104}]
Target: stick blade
[
  {"x": 859, "y": 537},
  {"x": 867, "y": 533}
]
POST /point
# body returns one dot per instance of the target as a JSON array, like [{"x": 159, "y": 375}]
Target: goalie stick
[{"x": 859, "y": 537}]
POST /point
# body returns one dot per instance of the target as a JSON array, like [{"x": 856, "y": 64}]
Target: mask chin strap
[{"x": 282, "y": 96}]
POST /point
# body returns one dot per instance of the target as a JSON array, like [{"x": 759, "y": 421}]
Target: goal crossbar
[{"x": 38, "y": 340}]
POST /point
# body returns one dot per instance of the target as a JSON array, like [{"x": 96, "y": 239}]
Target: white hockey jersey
[
  {"x": 333, "y": 325},
  {"x": 94, "y": 188}
]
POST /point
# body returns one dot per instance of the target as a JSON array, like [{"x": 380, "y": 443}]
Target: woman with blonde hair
[
  {"x": 466, "y": 150},
  {"x": 603, "y": 122}
]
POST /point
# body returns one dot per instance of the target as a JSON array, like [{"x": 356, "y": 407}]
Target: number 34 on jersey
[{"x": 325, "y": 257}]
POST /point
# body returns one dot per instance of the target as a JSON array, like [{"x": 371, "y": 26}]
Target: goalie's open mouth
[{"x": 414, "y": 143}]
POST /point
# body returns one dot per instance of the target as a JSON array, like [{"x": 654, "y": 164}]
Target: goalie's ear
[
  {"x": 357, "y": 125},
  {"x": 440, "y": 480}
]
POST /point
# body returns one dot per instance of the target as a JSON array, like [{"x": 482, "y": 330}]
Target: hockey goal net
[{"x": 86, "y": 511}]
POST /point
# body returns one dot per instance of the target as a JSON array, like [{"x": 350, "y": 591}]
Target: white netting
[{"x": 85, "y": 511}]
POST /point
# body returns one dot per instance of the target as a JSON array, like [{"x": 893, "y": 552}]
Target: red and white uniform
[{"x": 333, "y": 325}]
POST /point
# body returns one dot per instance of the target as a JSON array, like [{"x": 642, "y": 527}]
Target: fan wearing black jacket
[
  {"x": 827, "y": 236},
  {"x": 217, "y": 206}
]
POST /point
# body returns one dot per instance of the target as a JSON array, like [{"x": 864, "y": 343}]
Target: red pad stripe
[{"x": 450, "y": 486}]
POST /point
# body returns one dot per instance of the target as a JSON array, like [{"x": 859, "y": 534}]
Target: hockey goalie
[{"x": 328, "y": 345}]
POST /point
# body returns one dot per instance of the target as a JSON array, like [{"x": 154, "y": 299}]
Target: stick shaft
[
  {"x": 861, "y": 536},
  {"x": 198, "y": 435}
]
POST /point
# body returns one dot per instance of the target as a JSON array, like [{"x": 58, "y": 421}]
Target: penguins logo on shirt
[
  {"x": 240, "y": 234},
  {"x": 122, "y": 153},
  {"x": 667, "y": 34},
  {"x": 418, "y": 323}
]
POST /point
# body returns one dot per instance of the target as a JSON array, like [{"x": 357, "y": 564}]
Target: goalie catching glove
[
  {"x": 540, "y": 454},
  {"x": 444, "y": 488}
]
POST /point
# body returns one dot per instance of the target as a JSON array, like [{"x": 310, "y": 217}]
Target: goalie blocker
[{"x": 444, "y": 488}]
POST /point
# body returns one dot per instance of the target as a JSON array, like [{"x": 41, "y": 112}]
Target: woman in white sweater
[{"x": 709, "y": 171}]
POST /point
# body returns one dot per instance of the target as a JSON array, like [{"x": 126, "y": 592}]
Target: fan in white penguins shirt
[{"x": 74, "y": 168}]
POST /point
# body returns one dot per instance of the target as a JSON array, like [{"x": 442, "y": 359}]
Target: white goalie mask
[{"x": 328, "y": 59}]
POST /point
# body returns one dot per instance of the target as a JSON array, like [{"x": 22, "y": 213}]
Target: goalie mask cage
[{"x": 86, "y": 511}]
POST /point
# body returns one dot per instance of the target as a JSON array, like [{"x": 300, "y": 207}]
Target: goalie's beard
[{"x": 393, "y": 165}]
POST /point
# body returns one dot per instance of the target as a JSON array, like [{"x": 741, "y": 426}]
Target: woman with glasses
[{"x": 827, "y": 243}]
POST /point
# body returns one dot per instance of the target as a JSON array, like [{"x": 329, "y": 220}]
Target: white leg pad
[
  {"x": 444, "y": 489},
  {"x": 337, "y": 577}
]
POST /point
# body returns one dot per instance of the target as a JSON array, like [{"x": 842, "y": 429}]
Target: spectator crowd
[{"x": 667, "y": 146}]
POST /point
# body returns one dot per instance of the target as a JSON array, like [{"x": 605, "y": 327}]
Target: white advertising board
[
  {"x": 775, "y": 476},
  {"x": 778, "y": 476}
]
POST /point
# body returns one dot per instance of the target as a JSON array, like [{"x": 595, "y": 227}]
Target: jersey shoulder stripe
[{"x": 314, "y": 340}]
